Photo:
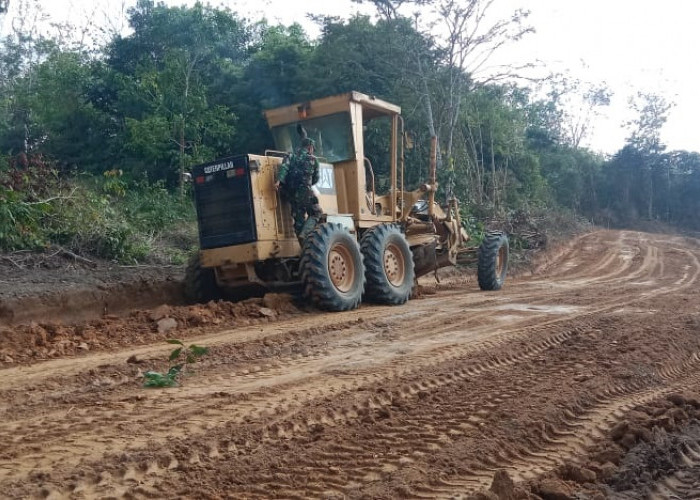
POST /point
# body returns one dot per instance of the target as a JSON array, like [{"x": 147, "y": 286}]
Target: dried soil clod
[
  {"x": 166, "y": 325},
  {"x": 503, "y": 486},
  {"x": 554, "y": 489}
]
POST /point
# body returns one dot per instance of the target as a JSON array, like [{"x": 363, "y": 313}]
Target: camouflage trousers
[{"x": 304, "y": 203}]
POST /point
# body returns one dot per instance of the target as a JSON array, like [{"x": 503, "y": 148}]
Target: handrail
[
  {"x": 433, "y": 176},
  {"x": 403, "y": 168},
  {"x": 373, "y": 208},
  {"x": 274, "y": 152}
]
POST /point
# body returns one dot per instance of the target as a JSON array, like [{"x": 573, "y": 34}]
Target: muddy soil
[{"x": 580, "y": 381}]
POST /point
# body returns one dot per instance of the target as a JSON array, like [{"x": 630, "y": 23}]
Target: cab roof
[{"x": 371, "y": 108}]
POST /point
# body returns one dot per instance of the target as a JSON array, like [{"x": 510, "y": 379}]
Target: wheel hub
[
  {"x": 340, "y": 268},
  {"x": 394, "y": 265},
  {"x": 500, "y": 260}
]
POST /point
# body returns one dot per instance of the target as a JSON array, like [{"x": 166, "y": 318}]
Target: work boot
[{"x": 306, "y": 229}]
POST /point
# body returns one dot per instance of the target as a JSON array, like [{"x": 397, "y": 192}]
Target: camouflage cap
[{"x": 306, "y": 142}]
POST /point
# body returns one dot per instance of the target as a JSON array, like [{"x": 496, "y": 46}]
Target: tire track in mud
[
  {"x": 626, "y": 252},
  {"x": 552, "y": 446},
  {"x": 188, "y": 420},
  {"x": 434, "y": 429},
  {"x": 580, "y": 430},
  {"x": 265, "y": 397},
  {"x": 286, "y": 425},
  {"x": 184, "y": 408},
  {"x": 575, "y": 263},
  {"x": 377, "y": 404}
]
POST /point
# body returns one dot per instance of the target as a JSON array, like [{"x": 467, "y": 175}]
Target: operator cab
[
  {"x": 332, "y": 135},
  {"x": 336, "y": 124}
]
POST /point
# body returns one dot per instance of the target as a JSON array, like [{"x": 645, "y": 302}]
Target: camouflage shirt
[{"x": 300, "y": 169}]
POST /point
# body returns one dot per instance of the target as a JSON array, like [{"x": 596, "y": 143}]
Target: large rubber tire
[
  {"x": 493, "y": 261},
  {"x": 389, "y": 265},
  {"x": 331, "y": 269},
  {"x": 200, "y": 283}
]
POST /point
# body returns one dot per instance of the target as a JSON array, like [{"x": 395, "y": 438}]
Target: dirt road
[{"x": 580, "y": 380}]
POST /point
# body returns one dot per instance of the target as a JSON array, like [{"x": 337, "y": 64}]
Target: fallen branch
[
  {"x": 48, "y": 200},
  {"x": 68, "y": 253},
  {"x": 18, "y": 266},
  {"x": 150, "y": 266}
]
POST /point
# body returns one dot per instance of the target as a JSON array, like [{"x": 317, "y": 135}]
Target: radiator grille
[{"x": 224, "y": 202}]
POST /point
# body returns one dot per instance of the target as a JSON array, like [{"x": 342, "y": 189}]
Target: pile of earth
[
  {"x": 54, "y": 339},
  {"x": 48, "y": 287},
  {"x": 639, "y": 452}
]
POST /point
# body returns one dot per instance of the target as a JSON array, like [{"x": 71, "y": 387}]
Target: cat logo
[{"x": 326, "y": 179}]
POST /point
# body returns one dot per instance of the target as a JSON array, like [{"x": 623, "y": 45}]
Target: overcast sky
[{"x": 632, "y": 45}]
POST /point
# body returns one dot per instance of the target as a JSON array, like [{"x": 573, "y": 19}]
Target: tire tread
[
  {"x": 313, "y": 269},
  {"x": 200, "y": 283},
  {"x": 378, "y": 289},
  {"x": 488, "y": 253}
]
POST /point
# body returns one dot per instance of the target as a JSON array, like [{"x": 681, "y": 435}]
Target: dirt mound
[
  {"x": 47, "y": 340},
  {"x": 51, "y": 287},
  {"x": 87, "y": 302},
  {"x": 648, "y": 445},
  {"x": 643, "y": 449}
]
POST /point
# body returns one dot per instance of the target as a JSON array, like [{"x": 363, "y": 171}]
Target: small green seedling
[{"x": 186, "y": 356}]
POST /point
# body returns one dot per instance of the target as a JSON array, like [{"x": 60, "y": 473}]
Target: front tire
[
  {"x": 331, "y": 268},
  {"x": 493, "y": 261},
  {"x": 389, "y": 265}
]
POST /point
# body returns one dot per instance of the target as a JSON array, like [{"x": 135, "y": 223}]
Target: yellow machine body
[{"x": 346, "y": 191}]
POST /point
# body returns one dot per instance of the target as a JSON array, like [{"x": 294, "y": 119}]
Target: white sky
[{"x": 632, "y": 45}]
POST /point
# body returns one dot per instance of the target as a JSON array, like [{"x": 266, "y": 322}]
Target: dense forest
[{"x": 94, "y": 137}]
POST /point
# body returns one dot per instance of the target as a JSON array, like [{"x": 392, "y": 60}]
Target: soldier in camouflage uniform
[{"x": 297, "y": 174}]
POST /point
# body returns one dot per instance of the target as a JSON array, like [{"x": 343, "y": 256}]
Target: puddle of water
[
  {"x": 508, "y": 318},
  {"x": 404, "y": 315},
  {"x": 554, "y": 309},
  {"x": 627, "y": 254},
  {"x": 636, "y": 310},
  {"x": 553, "y": 284}
]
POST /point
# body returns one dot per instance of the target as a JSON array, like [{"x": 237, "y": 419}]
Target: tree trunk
[
  {"x": 182, "y": 157},
  {"x": 650, "y": 206},
  {"x": 493, "y": 172},
  {"x": 505, "y": 181},
  {"x": 428, "y": 102}
]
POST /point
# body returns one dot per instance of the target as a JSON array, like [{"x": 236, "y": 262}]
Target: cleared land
[{"x": 582, "y": 379}]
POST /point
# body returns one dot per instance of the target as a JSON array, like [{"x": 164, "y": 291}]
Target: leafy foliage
[
  {"x": 179, "y": 361},
  {"x": 25, "y": 184},
  {"x": 105, "y": 217},
  {"x": 94, "y": 142}
]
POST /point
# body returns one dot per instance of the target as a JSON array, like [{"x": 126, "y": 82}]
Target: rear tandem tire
[
  {"x": 200, "y": 283},
  {"x": 389, "y": 265},
  {"x": 493, "y": 261},
  {"x": 331, "y": 269}
]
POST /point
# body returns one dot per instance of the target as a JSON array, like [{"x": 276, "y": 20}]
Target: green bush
[
  {"x": 473, "y": 225},
  {"x": 21, "y": 221},
  {"x": 103, "y": 217}
]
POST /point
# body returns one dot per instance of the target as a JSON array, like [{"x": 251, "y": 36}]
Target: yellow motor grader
[{"x": 366, "y": 246}]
